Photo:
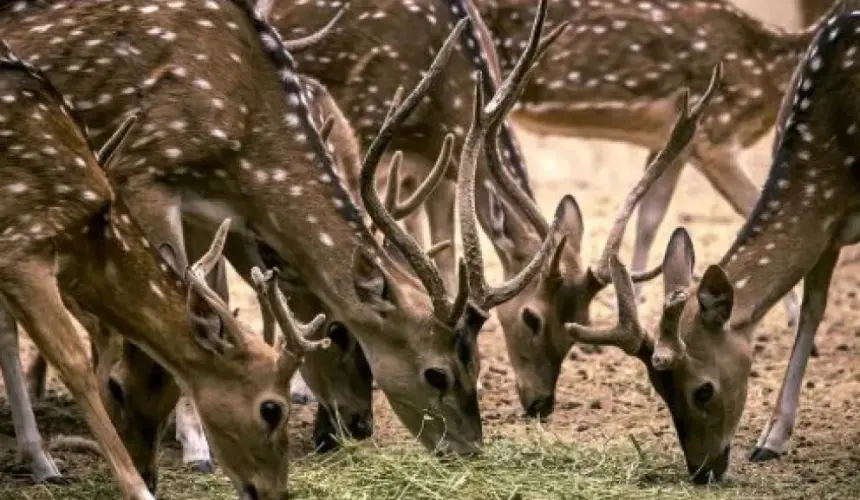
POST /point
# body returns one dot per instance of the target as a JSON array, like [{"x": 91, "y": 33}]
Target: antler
[
  {"x": 424, "y": 267},
  {"x": 295, "y": 334},
  {"x": 483, "y": 137},
  {"x": 399, "y": 210},
  {"x": 482, "y": 120},
  {"x": 304, "y": 43},
  {"x": 669, "y": 348},
  {"x": 682, "y": 133},
  {"x": 628, "y": 334},
  {"x": 111, "y": 148},
  {"x": 195, "y": 276},
  {"x": 506, "y": 98}
]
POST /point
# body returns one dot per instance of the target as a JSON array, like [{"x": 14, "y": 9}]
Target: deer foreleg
[
  {"x": 34, "y": 297},
  {"x": 774, "y": 438},
  {"x": 31, "y": 449}
]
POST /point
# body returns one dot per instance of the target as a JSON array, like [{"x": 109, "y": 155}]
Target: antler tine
[
  {"x": 501, "y": 104},
  {"x": 295, "y": 333},
  {"x": 300, "y": 44},
  {"x": 207, "y": 262},
  {"x": 682, "y": 133},
  {"x": 627, "y": 334},
  {"x": 555, "y": 260},
  {"x": 669, "y": 348},
  {"x": 463, "y": 293},
  {"x": 430, "y": 183},
  {"x": 438, "y": 248},
  {"x": 488, "y": 297},
  {"x": 423, "y": 266},
  {"x": 195, "y": 276},
  {"x": 110, "y": 151}
]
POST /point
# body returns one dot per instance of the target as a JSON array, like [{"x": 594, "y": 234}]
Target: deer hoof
[
  {"x": 202, "y": 466},
  {"x": 763, "y": 455}
]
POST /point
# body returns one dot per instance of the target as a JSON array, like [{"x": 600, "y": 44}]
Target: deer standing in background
[
  {"x": 82, "y": 243},
  {"x": 420, "y": 342},
  {"x": 700, "y": 360}
]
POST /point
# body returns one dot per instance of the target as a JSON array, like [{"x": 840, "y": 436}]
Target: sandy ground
[{"x": 602, "y": 395}]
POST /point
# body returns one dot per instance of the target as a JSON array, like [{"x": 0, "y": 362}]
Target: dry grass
[{"x": 537, "y": 467}]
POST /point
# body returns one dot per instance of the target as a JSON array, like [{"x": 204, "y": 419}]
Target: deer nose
[
  {"x": 150, "y": 479},
  {"x": 541, "y": 407},
  {"x": 712, "y": 471},
  {"x": 361, "y": 426}
]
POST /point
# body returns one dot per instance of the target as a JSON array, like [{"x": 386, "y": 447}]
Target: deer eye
[
  {"x": 532, "y": 320},
  {"x": 271, "y": 412},
  {"x": 437, "y": 379},
  {"x": 703, "y": 393}
]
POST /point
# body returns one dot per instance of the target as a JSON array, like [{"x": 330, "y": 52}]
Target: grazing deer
[
  {"x": 84, "y": 244},
  {"x": 419, "y": 342},
  {"x": 355, "y": 62},
  {"x": 812, "y": 10},
  {"x": 700, "y": 360},
  {"x": 644, "y": 51},
  {"x": 340, "y": 376}
]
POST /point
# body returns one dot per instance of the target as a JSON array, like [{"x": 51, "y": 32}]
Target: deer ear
[
  {"x": 571, "y": 222},
  {"x": 371, "y": 284},
  {"x": 716, "y": 297},
  {"x": 678, "y": 262}
]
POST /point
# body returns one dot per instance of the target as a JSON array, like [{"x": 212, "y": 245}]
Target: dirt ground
[{"x": 603, "y": 396}]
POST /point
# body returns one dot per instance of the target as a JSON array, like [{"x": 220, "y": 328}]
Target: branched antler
[
  {"x": 195, "y": 277},
  {"x": 424, "y": 267},
  {"x": 627, "y": 334},
  {"x": 522, "y": 70},
  {"x": 399, "y": 209},
  {"x": 295, "y": 333},
  {"x": 680, "y": 137}
]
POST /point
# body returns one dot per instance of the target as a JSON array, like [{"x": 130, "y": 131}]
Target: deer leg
[
  {"x": 735, "y": 186},
  {"x": 37, "y": 377},
  {"x": 31, "y": 450},
  {"x": 34, "y": 297},
  {"x": 774, "y": 438},
  {"x": 159, "y": 213},
  {"x": 652, "y": 211}
]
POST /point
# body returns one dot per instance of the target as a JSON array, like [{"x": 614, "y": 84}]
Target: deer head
[
  {"x": 108, "y": 267},
  {"x": 699, "y": 360}
]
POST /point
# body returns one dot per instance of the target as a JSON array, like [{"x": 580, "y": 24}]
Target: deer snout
[
  {"x": 540, "y": 407},
  {"x": 711, "y": 471}
]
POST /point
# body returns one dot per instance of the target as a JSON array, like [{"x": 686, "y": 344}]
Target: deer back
[{"x": 619, "y": 57}]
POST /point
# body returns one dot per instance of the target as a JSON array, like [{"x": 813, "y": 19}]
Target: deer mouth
[{"x": 712, "y": 471}]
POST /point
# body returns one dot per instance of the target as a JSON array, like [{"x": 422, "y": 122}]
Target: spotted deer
[
  {"x": 340, "y": 376},
  {"x": 355, "y": 63},
  {"x": 699, "y": 361},
  {"x": 643, "y": 52},
  {"x": 419, "y": 342},
  {"x": 84, "y": 244}
]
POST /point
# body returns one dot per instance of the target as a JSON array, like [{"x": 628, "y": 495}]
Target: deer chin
[
  {"x": 712, "y": 470},
  {"x": 444, "y": 435}
]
